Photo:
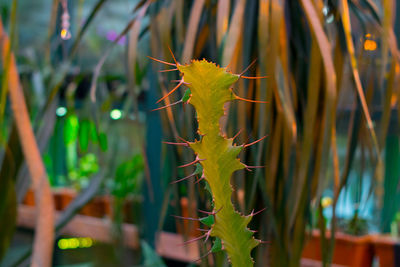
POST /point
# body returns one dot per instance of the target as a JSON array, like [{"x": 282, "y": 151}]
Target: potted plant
[
  {"x": 351, "y": 239},
  {"x": 386, "y": 247}
]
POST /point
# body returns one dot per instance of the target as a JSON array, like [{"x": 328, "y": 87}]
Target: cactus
[{"x": 216, "y": 155}]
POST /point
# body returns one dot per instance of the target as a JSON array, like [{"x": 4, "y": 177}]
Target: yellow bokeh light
[
  {"x": 73, "y": 243},
  {"x": 326, "y": 202},
  {"x": 370, "y": 45},
  {"x": 65, "y": 34},
  {"x": 63, "y": 244}
]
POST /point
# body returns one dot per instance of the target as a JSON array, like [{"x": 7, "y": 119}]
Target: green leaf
[
  {"x": 126, "y": 176},
  {"x": 209, "y": 220},
  {"x": 217, "y": 246},
  {"x": 150, "y": 256},
  {"x": 186, "y": 95},
  {"x": 103, "y": 141},
  {"x": 71, "y": 129},
  {"x": 84, "y": 132},
  {"x": 199, "y": 169}
]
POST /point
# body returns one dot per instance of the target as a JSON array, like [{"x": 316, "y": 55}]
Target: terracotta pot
[
  {"x": 95, "y": 208},
  {"x": 384, "y": 248},
  {"x": 349, "y": 250},
  {"x": 29, "y": 198},
  {"x": 64, "y": 197}
]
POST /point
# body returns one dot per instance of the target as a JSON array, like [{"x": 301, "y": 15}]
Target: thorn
[
  {"x": 187, "y": 142},
  {"x": 264, "y": 242},
  {"x": 176, "y": 144},
  {"x": 207, "y": 236},
  {"x": 253, "y": 167},
  {"x": 206, "y": 212},
  {"x": 248, "y": 67},
  {"x": 201, "y": 178},
  {"x": 205, "y": 255},
  {"x": 202, "y": 230},
  {"x": 193, "y": 240},
  {"x": 255, "y": 142},
  {"x": 184, "y": 218},
  {"x": 167, "y": 106},
  {"x": 249, "y": 100},
  {"x": 176, "y": 81},
  {"x": 191, "y": 163},
  {"x": 185, "y": 178},
  {"x": 170, "y": 92},
  {"x": 167, "y": 70},
  {"x": 236, "y": 135},
  {"x": 253, "y": 78},
  {"x": 210, "y": 212},
  {"x": 253, "y": 231},
  {"x": 164, "y": 62},
  {"x": 258, "y": 212},
  {"x": 172, "y": 54}
]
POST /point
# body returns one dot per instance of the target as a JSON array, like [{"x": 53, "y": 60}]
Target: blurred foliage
[
  {"x": 354, "y": 226},
  {"x": 127, "y": 180}
]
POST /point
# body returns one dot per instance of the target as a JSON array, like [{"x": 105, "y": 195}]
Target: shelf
[{"x": 169, "y": 245}]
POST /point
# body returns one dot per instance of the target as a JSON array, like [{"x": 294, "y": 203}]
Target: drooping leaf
[{"x": 84, "y": 132}]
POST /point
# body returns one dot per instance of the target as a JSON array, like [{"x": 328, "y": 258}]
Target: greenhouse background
[{"x": 91, "y": 160}]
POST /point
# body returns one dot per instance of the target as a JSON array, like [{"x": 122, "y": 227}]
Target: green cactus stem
[{"x": 210, "y": 89}]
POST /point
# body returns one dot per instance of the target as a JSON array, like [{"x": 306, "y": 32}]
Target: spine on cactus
[{"x": 209, "y": 89}]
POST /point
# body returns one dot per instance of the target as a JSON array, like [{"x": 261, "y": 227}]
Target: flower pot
[
  {"x": 385, "y": 250},
  {"x": 95, "y": 208},
  {"x": 29, "y": 198},
  {"x": 354, "y": 251},
  {"x": 64, "y": 197}
]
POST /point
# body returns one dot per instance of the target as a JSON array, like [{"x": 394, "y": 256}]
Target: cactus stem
[{"x": 170, "y": 92}]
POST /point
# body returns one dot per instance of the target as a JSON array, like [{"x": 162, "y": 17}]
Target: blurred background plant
[{"x": 332, "y": 112}]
